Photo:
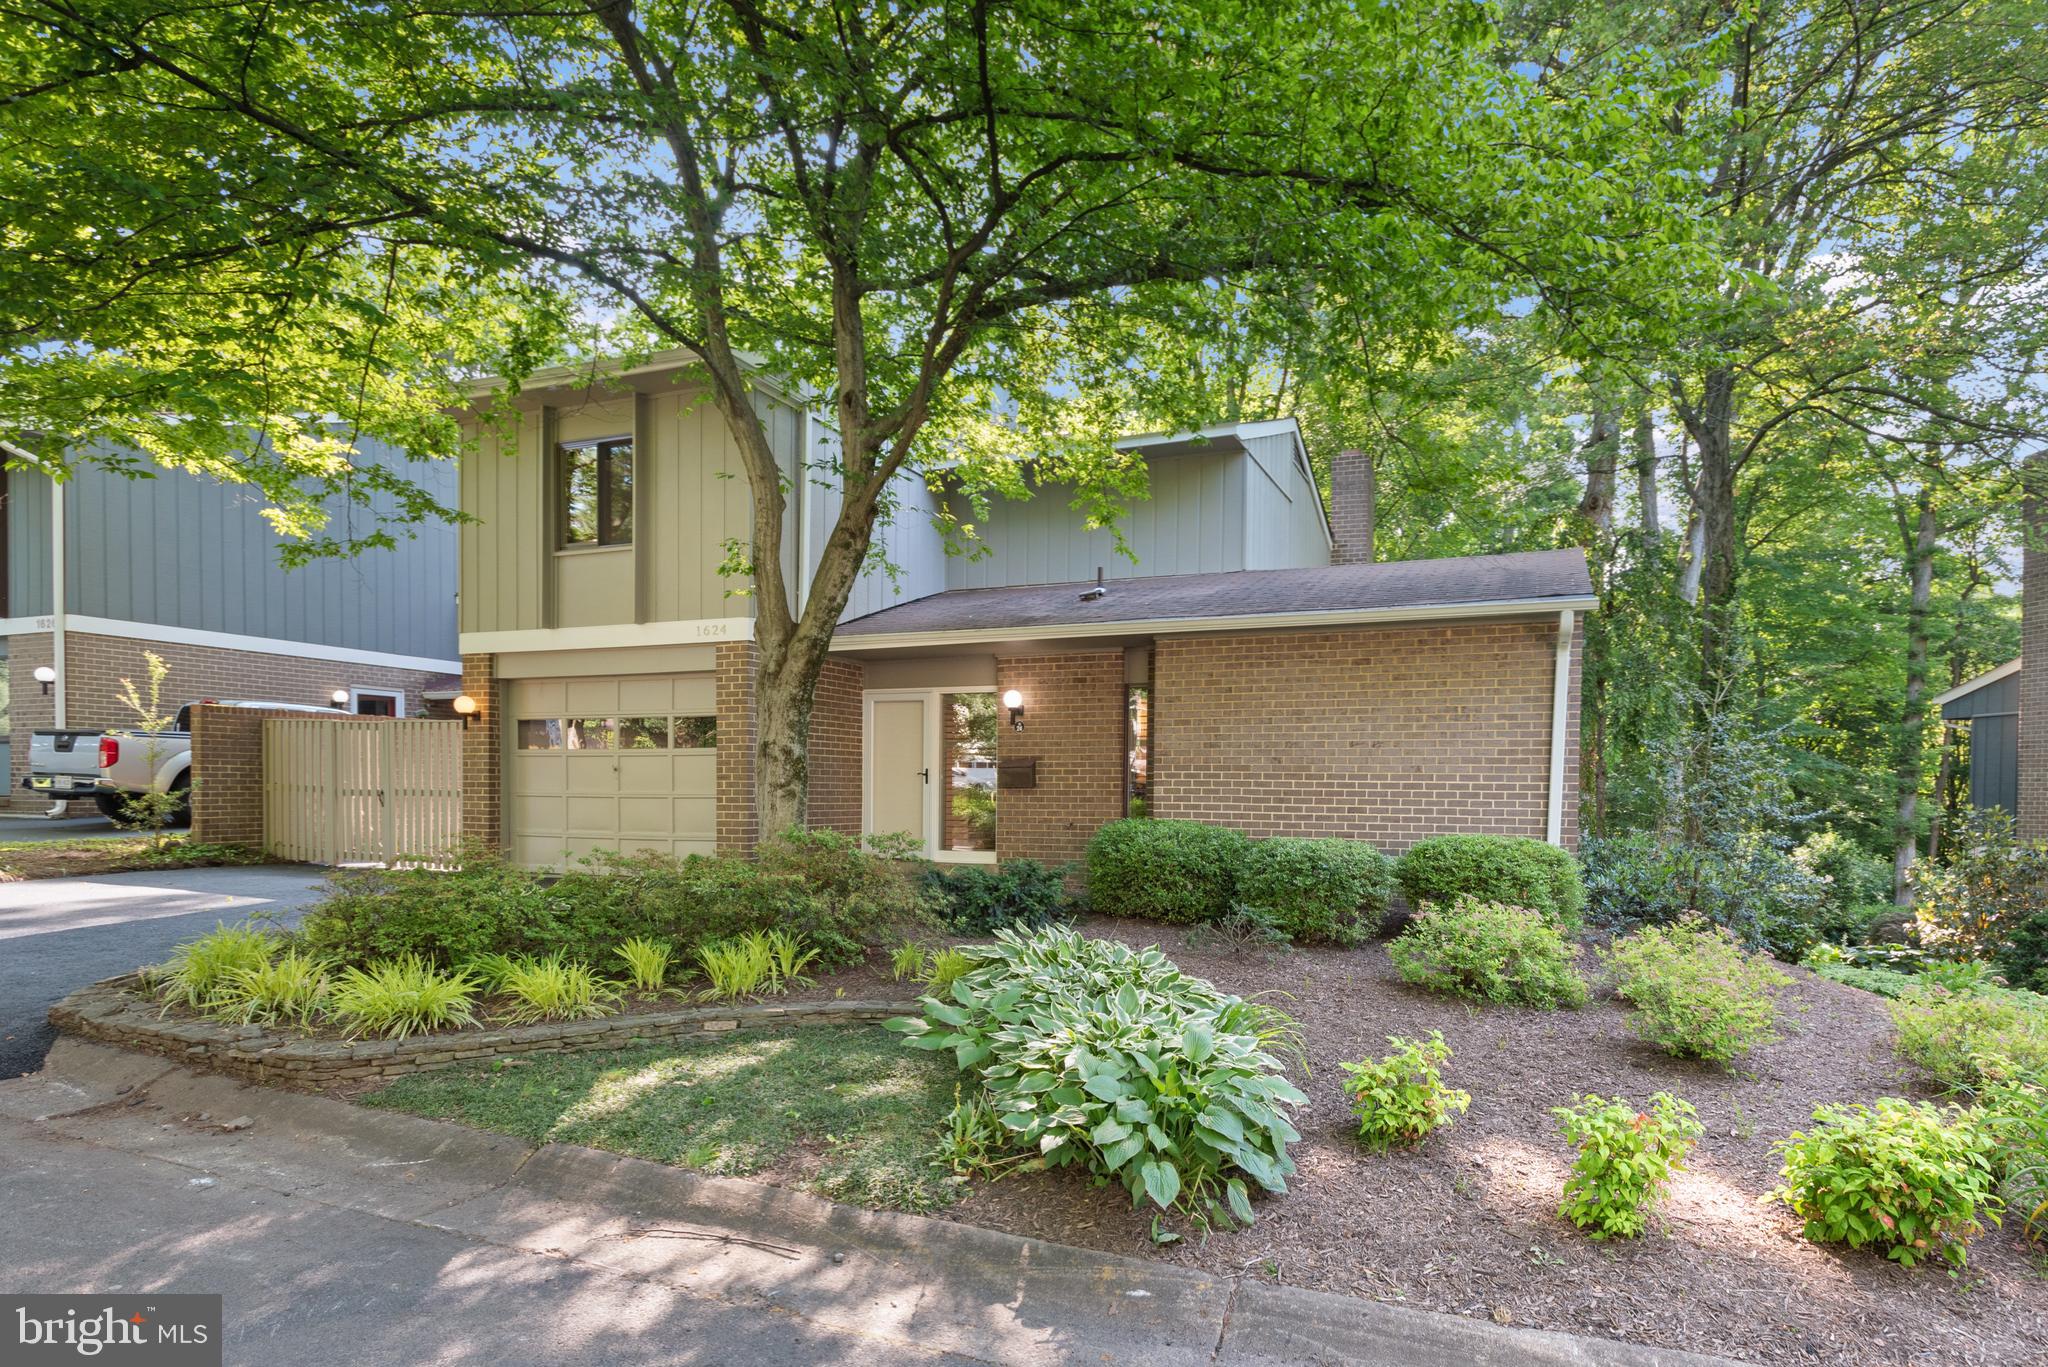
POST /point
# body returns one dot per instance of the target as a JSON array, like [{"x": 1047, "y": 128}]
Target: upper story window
[{"x": 597, "y": 492}]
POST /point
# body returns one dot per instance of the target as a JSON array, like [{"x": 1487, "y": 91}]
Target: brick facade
[
  {"x": 739, "y": 824},
  {"x": 1382, "y": 734},
  {"x": 836, "y": 757},
  {"x": 483, "y": 754},
  {"x": 1353, "y": 494},
  {"x": 2033, "y": 758},
  {"x": 1074, "y": 728},
  {"x": 95, "y": 665},
  {"x": 227, "y": 760}
]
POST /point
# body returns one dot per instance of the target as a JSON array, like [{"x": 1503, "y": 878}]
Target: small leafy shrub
[
  {"x": 1402, "y": 1097},
  {"x": 291, "y": 989},
  {"x": 1986, "y": 899},
  {"x": 1746, "y": 884},
  {"x": 1949, "y": 1035},
  {"x": 1512, "y": 870},
  {"x": 1696, "y": 993},
  {"x": 1897, "y": 1175},
  {"x": 553, "y": 989},
  {"x": 1489, "y": 952},
  {"x": 788, "y": 957},
  {"x": 944, "y": 967},
  {"x": 1334, "y": 890},
  {"x": 908, "y": 961},
  {"x": 1020, "y": 894},
  {"x": 2013, "y": 1103},
  {"x": 199, "y": 970},
  {"x": 1181, "y": 871},
  {"x": 975, "y": 1144},
  {"x": 1626, "y": 1160},
  {"x": 867, "y": 897},
  {"x": 1242, "y": 928},
  {"x": 739, "y": 967},
  {"x": 1852, "y": 877},
  {"x": 647, "y": 962},
  {"x": 399, "y": 997},
  {"x": 1095, "y": 1053},
  {"x": 1964, "y": 976}
]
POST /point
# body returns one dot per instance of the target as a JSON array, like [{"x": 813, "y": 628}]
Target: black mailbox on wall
[{"x": 1016, "y": 773}]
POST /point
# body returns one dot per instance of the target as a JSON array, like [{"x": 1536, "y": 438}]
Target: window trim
[
  {"x": 604, "y": 450},
  {"x": 356, "y": 695}
]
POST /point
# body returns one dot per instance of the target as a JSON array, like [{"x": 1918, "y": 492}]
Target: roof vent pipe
[{"x": 1090, "y": 595}]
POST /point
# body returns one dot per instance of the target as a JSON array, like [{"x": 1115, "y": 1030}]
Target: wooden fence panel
[{"x": 347, "y": 790}]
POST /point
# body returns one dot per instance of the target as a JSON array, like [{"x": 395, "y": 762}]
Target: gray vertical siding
[
  {"x": 186, "y": 551},
  {"x": 1993, "y": 713},
  {"x": 1284, "y": 526},
  {"x": 907, "y": 541}
]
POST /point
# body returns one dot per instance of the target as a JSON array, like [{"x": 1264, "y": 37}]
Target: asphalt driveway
[{"x": 58, "y": 934}]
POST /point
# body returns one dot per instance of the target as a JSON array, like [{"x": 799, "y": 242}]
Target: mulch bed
[
  {"x": 62, "y": 859},
  {"x": 1467, "y": 1222}
]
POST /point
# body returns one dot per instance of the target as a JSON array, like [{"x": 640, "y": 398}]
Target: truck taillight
[{"x": 110, "y": 751}]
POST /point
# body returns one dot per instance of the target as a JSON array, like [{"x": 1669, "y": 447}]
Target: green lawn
[{"x": 848, "y": 1113}]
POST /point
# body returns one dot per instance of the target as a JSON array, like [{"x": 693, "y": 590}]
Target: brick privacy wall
[
  {"x": 483, "y": 754},
  {"x": 1353, "y": 490},
  {"x": 1380, "y": 734},
  {"x": 227, "y": 774},
  {"x": 739, "y": 825},
  {"x": 835, "y": 754},
  {"x": 1074, "y": 728},
  {"x": 2032, "y": 817},
  {"x": 95, "y": 665}
]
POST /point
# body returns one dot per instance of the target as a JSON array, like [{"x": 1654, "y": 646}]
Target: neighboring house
[
  {"x": 100, "y": 568},
  {"x": 1990, "y": 703},
  {"x": 1249, "y": 670}
]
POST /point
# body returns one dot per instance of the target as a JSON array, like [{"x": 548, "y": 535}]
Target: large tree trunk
[
  {"x": 1649, "y": 517},
  {"x": 1603, "y": 452},
  {"x": 1713, "y": 430},
  {"x": 1919, "y": 542},
  {"x": 1694, "y": 550}
]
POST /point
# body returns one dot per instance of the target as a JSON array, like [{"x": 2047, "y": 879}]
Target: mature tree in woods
[{"x": 968, "y": 227}]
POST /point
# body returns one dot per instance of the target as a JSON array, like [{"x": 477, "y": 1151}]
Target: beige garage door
[{"x": 626, "y": 764}]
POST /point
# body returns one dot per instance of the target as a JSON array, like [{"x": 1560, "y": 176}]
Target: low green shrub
[
  {"x": 1180, "y": 871},
  {"x": 1897, "y": 1175},
  {"x": 1334, "y": 890},
  {"x": 401, "y": 997},
  {"x": 290, "y": 989},
  {"x": 1746, "y": 884},
  {"x": 1626, "y": 1160},
  {"x": 1489, "y": 952},
  {"x": 867, "y": 897},
  {"x": 1401, "y": 1098},
  {"x": 554, "y": 989},
  {"x": 1696, "y": 993},
  {"x": 1949, "y": 1034},
  {"x": 198, "y": 971},
  {"x": 1094, "y": 1053},
  {"x": 647, "y": 961},
  {"x": 1512, "y": 870},
  {"x": 1020, "y": 894}
]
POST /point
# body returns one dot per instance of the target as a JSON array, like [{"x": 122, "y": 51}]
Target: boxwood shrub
[
  {"x": 1179, "y": 871},
  {"x": 1513, "y": 870},
  {"x": 1317, "y": 889}
]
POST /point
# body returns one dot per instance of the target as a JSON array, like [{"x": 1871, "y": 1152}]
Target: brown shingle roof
[{"x": 1527, "y": 576}]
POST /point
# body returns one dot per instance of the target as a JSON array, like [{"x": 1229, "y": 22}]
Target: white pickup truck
[{"x": 131, "y": 762}]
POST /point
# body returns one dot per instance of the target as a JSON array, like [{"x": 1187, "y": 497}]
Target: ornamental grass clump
[
  {"x": 553, "y": 989},
  {"x": 1626, "y": 1160},
  {"x": 647, "y": 962},
  {"x": 405, "y": 996},
  {"x": 1402, "y": 1097},
  {"x": 1901, "y": 1176},
  {"x": 739, "y": 967},
  {"x": 292, "y": 989},
  {"x": 200, "y": 970},
  {"x": 1696, "y": 992},
  {"x": 1093, "y": 1053},
  {"x": 1489, "y": 952}
]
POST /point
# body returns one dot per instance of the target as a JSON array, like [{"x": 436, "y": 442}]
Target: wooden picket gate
[{"x": 346, "y": 790}]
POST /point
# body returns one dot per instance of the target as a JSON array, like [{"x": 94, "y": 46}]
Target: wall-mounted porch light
[
  {"x": 45, "y": 676},
  {"x": 1014, "y": 700},
  {"x": 465, "y": 708}
]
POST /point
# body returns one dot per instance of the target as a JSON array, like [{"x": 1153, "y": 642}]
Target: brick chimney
[
  {"x": 1352, "y": 491},
  {"x": 2033, "y": 776}
]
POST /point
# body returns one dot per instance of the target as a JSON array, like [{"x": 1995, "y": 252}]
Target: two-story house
[
  {"x": 1253, "y": 668},
  {"x": 101, "y": 567}
]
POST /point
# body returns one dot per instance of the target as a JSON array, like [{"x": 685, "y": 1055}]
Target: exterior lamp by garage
[
  {"x": 1014, "y": 700},
  {"x": 339, "y": 697},
  {"x": 465, "y": 708},
  {"x": 45, "y": 676}
]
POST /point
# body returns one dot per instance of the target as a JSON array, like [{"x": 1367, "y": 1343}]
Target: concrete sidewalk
[{"x": 414, "y": 1241}]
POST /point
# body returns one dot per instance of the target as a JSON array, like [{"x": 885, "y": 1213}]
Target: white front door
[{"x": 931, "y": 771}]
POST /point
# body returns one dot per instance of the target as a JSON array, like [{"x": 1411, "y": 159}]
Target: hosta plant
[
  {"x": 403, "y": 996},
  {"x": 1696, "y": 992},
  {"x": 1626, "y": 1160},
  {"x": 1094, "y": 1053},
  {"x": 1402, "y": 1097},
  {"x": 553, "y": 989},
  {"x": 1898, "y": 1175}
]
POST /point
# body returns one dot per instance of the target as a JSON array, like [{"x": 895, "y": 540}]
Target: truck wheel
[
  {"x": 181, "y": 788},
  {"x": 113, "y": 806}
]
